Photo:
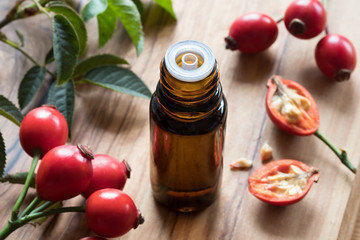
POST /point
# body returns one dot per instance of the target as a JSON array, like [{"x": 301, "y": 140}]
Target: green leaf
[
  {"x": 63, "y": 98},
  {"x": 76, "y": 21},
  {"x": 66, "y": 48},
  {"x": 2, "y": 155},
  {"x": 107, "y": 23},
  {"x": 30, "y": 85},
  {"x": 10, "y": 111},
  {"x": 18, "y": 178},
  {"x": 118, "y": 79},
  {"x": 167, "y": 5},
  {"x": 93, "y": 8},
  {"x": 49, "y": 58},
  {"x": 140, "y": 7},
  {"x": 87, "y": 64},
  {"x": 128, "y": 14},
  {"x": 21, "y": 38}
]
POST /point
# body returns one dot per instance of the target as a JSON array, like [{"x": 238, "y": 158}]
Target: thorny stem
[
  {"x": 5, "y": 40},
  {"x": 21, "y": 198},
  {"x": 342, "y": 155}
]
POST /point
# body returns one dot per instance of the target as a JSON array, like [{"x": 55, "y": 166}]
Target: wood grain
[{"x": 118, "y": 125}]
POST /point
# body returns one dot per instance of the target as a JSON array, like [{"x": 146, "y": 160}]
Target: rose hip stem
[
  {"x": 324, "y": 3},
  {"x": 15, "y": 210},
  {"x": 339, "y": 152}
]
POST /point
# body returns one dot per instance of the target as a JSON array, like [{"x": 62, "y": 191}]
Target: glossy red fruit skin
[
  {"x": 108, "y": 172},
  {"x": 43, "y": 128},
  {"x": 64, "y": 172},
  {"x": 111, "y": 213},
  {"x": 311, "y": 13},
  {"x": 334, "y": 53},
  {"x": 252, "y": 32}
]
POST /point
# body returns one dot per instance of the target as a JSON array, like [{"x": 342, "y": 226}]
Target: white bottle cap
[
  {"x": 189, "y": 61},
  {"x": 189, "y": 72}
]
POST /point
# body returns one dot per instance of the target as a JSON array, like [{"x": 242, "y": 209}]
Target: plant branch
[
  {"x": 18, "y": 12},
  {"x": 7, "y": 230},
  {"x": 11, "y": 14},
  {"x": 50, "y": 212},
  {"x": 5, "y": 40},
  {"x": 17, "y": 47},
  {"x": 279, "y": 20},
  {"x": 17, "y": 223},
  {"x": 324, "y": 3},
  {"x": 38, "y": 5},
  {"x": 44, "y": 206},
  {"x": 21, "y": 198},
  {"x": 17, "y": 178},
  {"x": 339, "y": 152},
  {"x": 31, "y": 206}
]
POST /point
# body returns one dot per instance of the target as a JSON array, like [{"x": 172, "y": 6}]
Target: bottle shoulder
[{"x": 212, "y": 121}]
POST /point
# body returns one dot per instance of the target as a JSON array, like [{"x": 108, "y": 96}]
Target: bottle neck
[{"x": 189, "y": 101}]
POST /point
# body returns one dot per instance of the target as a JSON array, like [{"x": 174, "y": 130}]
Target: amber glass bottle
[{"x": 187, "y": 128}]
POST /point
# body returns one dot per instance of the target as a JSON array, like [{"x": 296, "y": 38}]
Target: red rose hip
[
  {"x": 64, "y": 172},
  {"x": 111, "y": 213},
  {"x": 43, "y": 128},
  {"x": 305, "y": 19},
  {"x": 335, "y": 56},
  {"x": 252, "y": 33},
  {"x": 108, "y": 172}
]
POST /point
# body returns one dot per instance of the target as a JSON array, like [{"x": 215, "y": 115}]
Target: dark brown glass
[{"x": 187, "y": 131}]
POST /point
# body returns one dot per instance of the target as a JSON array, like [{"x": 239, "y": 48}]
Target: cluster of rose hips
[
  {"x": 255, "y": 32},
  {"x": 66, "y": 171}
]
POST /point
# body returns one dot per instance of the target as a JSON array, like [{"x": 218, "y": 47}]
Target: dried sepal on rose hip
[
  {"x": 291, "y": 107},
  {"x": 305, "y": 19},
  {"x": 282, "y": 182},
  {"x": 252, "y": 32}
]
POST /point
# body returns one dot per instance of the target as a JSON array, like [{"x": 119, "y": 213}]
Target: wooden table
[{"x": 118, "y": 125}]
